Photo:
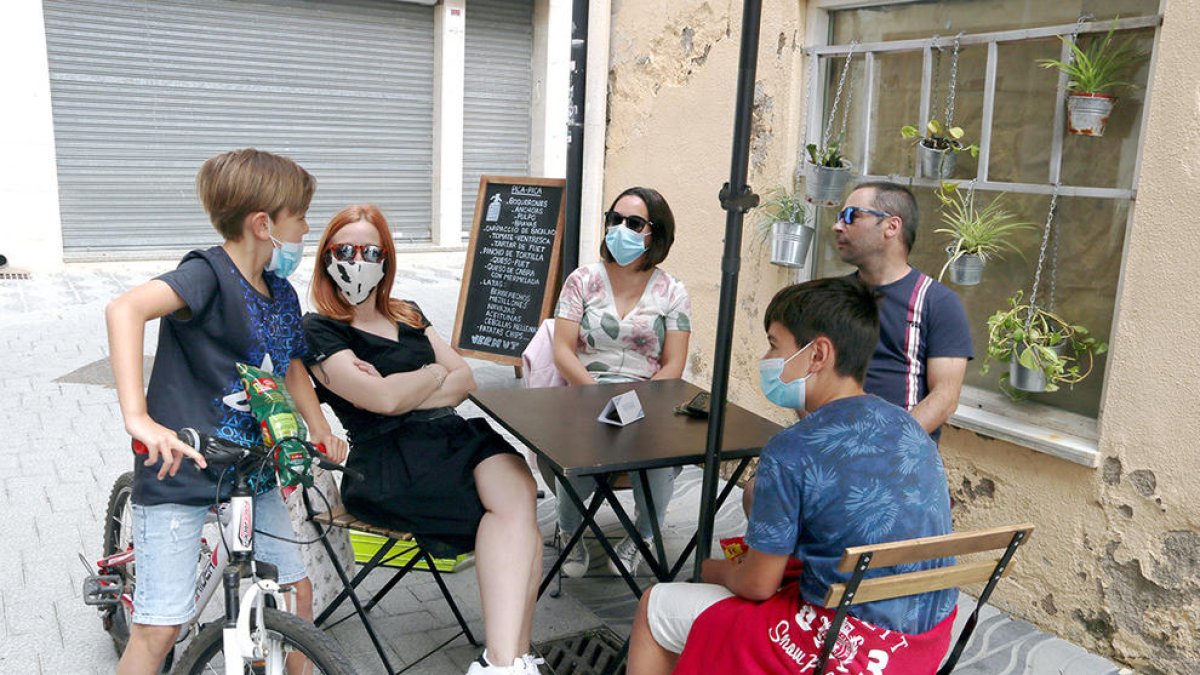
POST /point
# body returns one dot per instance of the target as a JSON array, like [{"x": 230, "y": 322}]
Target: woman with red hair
[{"x": 393, "y": 382}]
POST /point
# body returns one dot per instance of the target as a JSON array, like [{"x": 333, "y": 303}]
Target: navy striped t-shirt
[{"x": 919, "y": 319}]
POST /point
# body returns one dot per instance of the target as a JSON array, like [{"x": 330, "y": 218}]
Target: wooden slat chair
[
  {"x": 858, "y": 559},
  {"x": 339, "y": 517}
]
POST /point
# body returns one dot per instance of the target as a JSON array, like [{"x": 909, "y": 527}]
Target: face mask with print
[
  {"x": 783, "y": 394},
  {"x": 286, "y": 255},
  {"x": 624, "y": 244},
  {"x": 355, "y": 279}
]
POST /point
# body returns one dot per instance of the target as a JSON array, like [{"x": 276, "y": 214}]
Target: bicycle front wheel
[{"x": 286, "y": 636}]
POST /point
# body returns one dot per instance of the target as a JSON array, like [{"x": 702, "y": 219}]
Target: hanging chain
[
  {"x": 1054, "y": 268},
  {"x": 837, "y": 100},
  {"x": 936, "y": 48},
  {"x": 1037, "y": 275},
  {"x": 949, "y": 119},
  {"x": 849, "y": 98}
]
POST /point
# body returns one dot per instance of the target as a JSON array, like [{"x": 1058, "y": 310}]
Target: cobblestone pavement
[{"x": 65, "y": 446}]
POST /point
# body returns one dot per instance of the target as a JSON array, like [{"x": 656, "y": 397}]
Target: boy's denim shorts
[{"x": 166, "y": 538}]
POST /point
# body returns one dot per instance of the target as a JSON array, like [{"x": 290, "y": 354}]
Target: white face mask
[{"x": 355, "y": 279}]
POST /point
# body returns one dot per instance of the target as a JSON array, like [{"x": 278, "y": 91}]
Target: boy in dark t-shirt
[
  {"x": 224, "y": 305},
  {"x": 855, "y": 470}
]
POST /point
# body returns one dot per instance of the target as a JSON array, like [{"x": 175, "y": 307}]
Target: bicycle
[{"x": 253, "y": 636}]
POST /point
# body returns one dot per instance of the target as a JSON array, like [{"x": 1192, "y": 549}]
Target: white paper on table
[{"x": 622, "y": 409}]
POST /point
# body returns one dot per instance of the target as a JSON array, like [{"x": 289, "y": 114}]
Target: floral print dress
[{"x": 621, "y": 349}]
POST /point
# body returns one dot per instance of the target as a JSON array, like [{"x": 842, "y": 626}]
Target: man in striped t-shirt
[{"x": 924, "y": 338}]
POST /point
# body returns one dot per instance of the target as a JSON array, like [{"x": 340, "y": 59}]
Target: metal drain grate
[
  {"x": 13, "y": 275},
  {"x": 591, "y": 652}
]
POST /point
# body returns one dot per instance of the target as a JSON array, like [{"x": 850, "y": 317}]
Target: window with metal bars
[{"x": 1015, "y": 111}]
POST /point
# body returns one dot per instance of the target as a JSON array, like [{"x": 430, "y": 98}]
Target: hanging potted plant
[
  {"x": 826, "y": 173},
  {"x": 937, "y": 149},
  {"x": 1043, "y": 350},
  {"x": 976, "y": 233},
  {"x": 1092, "y": 75},
  {"x": 785, "y": 218}
]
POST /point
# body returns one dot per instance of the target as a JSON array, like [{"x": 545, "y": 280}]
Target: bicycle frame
[{"x": 224, "y": 566}]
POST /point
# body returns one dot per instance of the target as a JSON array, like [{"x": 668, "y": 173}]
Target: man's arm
[
  {"x": 945, "y": 378},
  {"x": 755, "y": 575}
]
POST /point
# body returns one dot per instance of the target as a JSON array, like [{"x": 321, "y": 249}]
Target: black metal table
[{"x": 560, "y": 424}]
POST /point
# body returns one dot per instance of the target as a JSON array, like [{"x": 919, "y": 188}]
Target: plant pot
[
  {"x": 1024, "y": 379},
  {"x": 790, "y": 242},
  {"x": 934, "y": 163},
  {"x": 824, "y": 185},
  {"x": 966, "y": 269},
  {"x": 1088, "y": 113}
]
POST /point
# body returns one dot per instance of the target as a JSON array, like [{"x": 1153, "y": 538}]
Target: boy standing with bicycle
[{"x": 224, "y": 305}]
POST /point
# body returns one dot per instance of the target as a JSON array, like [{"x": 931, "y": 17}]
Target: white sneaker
[
  {"x": 481, "y": 666},
  {"x": 577, "y": 561},
  {"x": 629, "y": 555},
  {"x": 531, "y": 664}
]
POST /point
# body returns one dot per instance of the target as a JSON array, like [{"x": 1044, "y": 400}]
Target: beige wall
[{"x": 1115, "y": 562}]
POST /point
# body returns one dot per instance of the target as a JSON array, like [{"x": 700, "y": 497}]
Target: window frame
[{"x": 1042, "y": 428}]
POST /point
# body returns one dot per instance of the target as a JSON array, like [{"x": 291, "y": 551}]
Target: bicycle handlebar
[{"x": 221, "y": 452}]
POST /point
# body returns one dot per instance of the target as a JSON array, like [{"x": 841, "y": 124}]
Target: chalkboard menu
[{"x": 511, "y": 276}]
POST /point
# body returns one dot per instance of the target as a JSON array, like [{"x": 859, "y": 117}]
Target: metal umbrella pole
[
  {"x": 574, "y": 191},
  {"x": 736, "y": 199}
]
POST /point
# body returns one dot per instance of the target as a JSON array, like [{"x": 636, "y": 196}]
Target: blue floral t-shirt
[
  {"x": 195, "y": 382},
  {"x": 855, "y": 471}
]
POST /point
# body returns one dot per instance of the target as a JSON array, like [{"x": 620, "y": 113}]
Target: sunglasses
[
  {"x": 635, "y": 223},
  {"x": 346, "y": 252},
  {"x": 848, "y": 214}
]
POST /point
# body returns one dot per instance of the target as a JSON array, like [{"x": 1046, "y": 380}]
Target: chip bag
[{"x": 275, "y": 411}]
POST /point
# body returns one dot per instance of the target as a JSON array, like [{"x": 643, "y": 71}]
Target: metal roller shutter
[
  {"x": 497, "y": 93},
  {"x": 145, "y": 90}
]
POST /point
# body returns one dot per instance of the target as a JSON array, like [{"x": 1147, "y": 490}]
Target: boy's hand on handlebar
[
  {"x": 335, "y": 448},
  {"x": 162, "y": 443}
]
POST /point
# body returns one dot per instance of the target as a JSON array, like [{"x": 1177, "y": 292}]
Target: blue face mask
[
  {"x": 286, "y": 255},
  {"x": 783, "y": 394},
  {"x": 624, "y": 244}
]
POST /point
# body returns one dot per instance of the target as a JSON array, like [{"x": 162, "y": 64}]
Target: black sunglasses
[
  {"x": 847, "y": 214},
  {"x": 635, "y": 223},
  {"x": 346, "y": 252}
]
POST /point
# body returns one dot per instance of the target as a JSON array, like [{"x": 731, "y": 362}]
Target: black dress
[{"x": 418, "y": 467}]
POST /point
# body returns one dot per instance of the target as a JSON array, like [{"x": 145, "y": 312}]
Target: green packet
[{"x": 275, "y": 412}]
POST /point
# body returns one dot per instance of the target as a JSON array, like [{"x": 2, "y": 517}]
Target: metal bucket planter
[
  {"x": 1033, "y": 381},
  {"x": 824, "y": 185},
  {"x": 966, "y": 269},
  {"x": 790, "y": 242},
  {"x": 1088, "y": 113},
  {"x": 935, "y": 163}
]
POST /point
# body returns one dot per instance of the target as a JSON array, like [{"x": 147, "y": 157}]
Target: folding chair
[
  {"x": 859, "y": 559},
  {"x": 340, "y": 518}
]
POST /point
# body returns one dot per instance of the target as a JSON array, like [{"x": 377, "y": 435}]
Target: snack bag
[
  {"x": 733, "y": 547},
  {"x": 275, "y": 411}
]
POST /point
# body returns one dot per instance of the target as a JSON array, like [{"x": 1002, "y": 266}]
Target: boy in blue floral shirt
[{"x": 855, "y": 470}]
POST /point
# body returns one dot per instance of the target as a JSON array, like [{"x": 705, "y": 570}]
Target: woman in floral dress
[{"x": 623, "y": 320}]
